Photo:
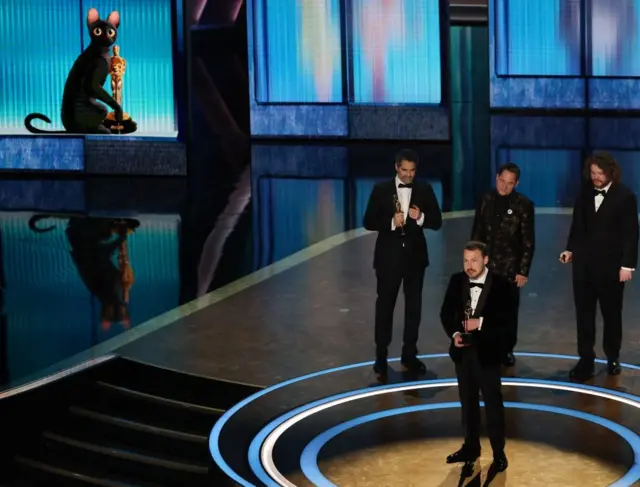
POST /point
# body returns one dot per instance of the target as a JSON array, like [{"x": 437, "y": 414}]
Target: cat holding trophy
[{"x": 84, "y": 97}]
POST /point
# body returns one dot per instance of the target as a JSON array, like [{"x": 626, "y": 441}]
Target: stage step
[
  {"x": 34, "y": 473},
  {"x": 130, "y": 425}
]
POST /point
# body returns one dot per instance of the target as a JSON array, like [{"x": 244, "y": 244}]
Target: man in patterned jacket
[{"x": 504, "y": 221}]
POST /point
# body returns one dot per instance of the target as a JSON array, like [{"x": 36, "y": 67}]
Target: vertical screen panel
[
  {"x": 298, "y": 51},
  {"x": 614, "y": 39},
  {"x": 541, "y": 38},
  {"x": 395, "y": 51},
  {"x": 145, "y": 40},
  {"x": 39, "y": 41}
]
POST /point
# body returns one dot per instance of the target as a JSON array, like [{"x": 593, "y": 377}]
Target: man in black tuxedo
[
  {"x": 603, "y": 246},
  {"x": 400, "y": 209},
  {"x": 504, "y": 220},
  {"x": 486, "y": 299}
]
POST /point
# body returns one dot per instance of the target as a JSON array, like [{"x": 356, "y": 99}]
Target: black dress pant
[
  {"x": 389, "y": 281},
  {"x": 474, "y": 378},
  {"x": 589, "y": 290}
]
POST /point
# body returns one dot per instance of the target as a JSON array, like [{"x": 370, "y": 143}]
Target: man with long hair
[{"x": 603, "y": 247}]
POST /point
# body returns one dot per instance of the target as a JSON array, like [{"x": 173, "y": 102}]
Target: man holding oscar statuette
[
  {"x": 603, "y": 247},
  {"x": 400, "y": 209},
  {"x": 475, "y": 314}
]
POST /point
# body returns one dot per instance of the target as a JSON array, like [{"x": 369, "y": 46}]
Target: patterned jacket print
[{"x": 510, "y": 246}]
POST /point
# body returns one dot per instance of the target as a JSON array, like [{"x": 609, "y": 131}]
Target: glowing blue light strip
[
  {"x": 261, "y": 448},
  {"x": 309, "y": 457},
  {"x": 214, "y": 437}
]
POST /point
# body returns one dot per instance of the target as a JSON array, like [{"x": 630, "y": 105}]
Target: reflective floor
[{"x": 64, "y": 288}]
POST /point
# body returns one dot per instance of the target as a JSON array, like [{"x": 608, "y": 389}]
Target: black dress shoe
[
  {"x": 463, "y": 455},
  {"x": 499, "y": 464},
  {"x": 413, "y": 365},
  {"x": 509, "y": 360},
  {"x": 381, "y": 367},
  {"x": 613, "y": 367},
  {"x": 582, "y": 372}
]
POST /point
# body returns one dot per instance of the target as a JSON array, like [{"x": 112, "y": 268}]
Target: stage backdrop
[
  {"x": 348, "y": 68},
  {"x": 576, "y": 54}
]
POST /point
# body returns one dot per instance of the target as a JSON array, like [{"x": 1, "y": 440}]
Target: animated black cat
[{"x": 81, "y": 111}]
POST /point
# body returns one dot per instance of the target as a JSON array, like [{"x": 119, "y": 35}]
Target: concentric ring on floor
[
  {"x": 214, "y": 437},
  {"x": 261, "y": 448},
  {"x": 309, "y": 457}
]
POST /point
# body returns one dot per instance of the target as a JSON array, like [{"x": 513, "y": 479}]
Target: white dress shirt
[
  {"x": 475, "y": 293},
  {"x": 599, "y": 198},
  {"x": 597, "y": 201},
  {"x": 404, "y": 196}
]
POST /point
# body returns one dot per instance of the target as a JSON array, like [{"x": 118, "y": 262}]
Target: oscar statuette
[
  {"x": 468, "y": 311},
  {"x": 396, "y": 201},
  {"x": 117, "y": 68}
]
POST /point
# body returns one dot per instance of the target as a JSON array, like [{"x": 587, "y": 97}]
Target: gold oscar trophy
[
  {"x": 117, "y": 68},
  {"x": 468, "y": 311},
  {"x": 396, "y": 201}
]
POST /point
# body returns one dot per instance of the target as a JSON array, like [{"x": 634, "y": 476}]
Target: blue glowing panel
[
  {"x": 539, "y": 38},
  {"x": 43, "y": 153},
  {"x": 395, "y": 51},
  {"x": 145, "y": 39},
  {"x": 41, "y": 40},
  {"x": 549, "y": 177},
  {"x": 614, "y": 38},
  {"x": 534, "y": 91},
  {"x": 298, "y": 51},
  {"x": 295, "y": 213}
]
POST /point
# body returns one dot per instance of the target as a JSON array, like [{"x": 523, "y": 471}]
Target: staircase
[{"x": 126, "y": 425}]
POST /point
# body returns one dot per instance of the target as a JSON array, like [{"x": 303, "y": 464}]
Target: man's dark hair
[
  {"x": 511, "y": 167},
  {"x": 406, "y": 155},
  {"x": 474, "y": 245},
  {"x": 606, "y": 162}
]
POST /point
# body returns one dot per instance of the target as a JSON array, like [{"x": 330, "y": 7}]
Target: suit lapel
[{"x": 483, "y": 296}]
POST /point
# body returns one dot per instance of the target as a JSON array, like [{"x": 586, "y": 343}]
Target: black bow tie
[
  {"x": 410, "y": 185},
  {"x": 601, "y": 192},
  {"x": 476, "y": 284}
]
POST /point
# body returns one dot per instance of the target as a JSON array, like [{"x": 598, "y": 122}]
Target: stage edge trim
[{"x": 263, "y": 444}]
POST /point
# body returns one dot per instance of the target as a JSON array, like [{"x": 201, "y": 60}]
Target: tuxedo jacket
[
  {"x": 494, "y": 306},
  {"x": 511, "y": 242},
  {"x": 389, "y": 244},
  {"x": 604, "y": 241}
]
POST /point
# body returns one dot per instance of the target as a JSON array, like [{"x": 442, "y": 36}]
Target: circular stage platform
[{"x": 339, "y": 427}]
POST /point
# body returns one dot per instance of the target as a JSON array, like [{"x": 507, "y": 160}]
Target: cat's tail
[
  {"x": 33, "y": 221},
  {"x": 34, "y": 130}
]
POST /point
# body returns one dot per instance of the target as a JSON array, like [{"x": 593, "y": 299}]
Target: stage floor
[{"x": 302, "y": 329}]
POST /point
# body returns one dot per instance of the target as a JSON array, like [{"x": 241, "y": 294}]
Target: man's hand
[
  {"x": 414, "y": 212},
  {"x": 457, "y": 341},
  {"x": 521, "y": 280},
  {"x": 566, "y": 257},
  {"x": 473, "y": 324},
  {"x": 398, "y": 219},
  {"x": 625, "y": 275}
]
